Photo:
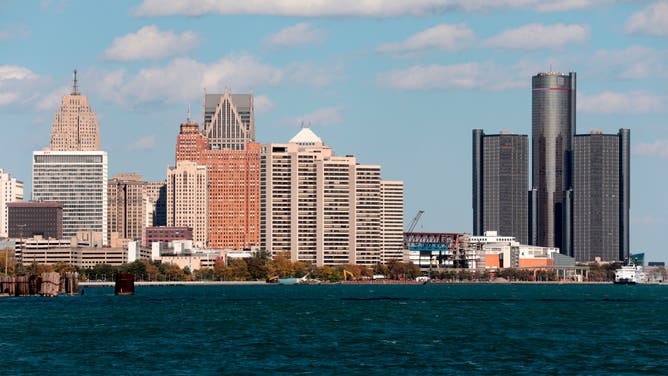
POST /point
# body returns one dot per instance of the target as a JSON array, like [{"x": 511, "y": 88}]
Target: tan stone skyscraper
[{"x": 75, "y": 126}]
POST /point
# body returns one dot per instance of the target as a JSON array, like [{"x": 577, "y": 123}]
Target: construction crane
[{"x": 415, "y": 221}]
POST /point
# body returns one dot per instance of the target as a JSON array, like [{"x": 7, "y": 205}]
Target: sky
[{"x": 393, "y": 82}]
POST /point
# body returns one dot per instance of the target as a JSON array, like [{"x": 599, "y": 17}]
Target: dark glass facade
[
  {"x": 28, "y": 219},
  {"x": 500, "y": 181},
  {"x": 601, "y": 196},
  {"x": 553, "y": 128}
]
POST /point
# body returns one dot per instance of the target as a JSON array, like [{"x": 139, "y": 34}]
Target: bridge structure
[{"x": 429, "y": 249}]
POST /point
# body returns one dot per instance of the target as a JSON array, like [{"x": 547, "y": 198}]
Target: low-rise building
[{"x": 28, "y": 219}]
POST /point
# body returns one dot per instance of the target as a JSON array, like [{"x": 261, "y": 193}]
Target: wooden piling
[
  {"x": 50, "y": 284},
  {"x": 22, "y": 286},
  {"x": 125, "y": 284},
  {"x": 71, "y": 283}
]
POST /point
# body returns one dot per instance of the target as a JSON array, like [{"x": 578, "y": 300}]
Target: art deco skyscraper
[
  {"x": 500, "y": 181},
  {"x": 229, "y": 120},
  {"x": 601, "y": 186},
  {"x": 75, "y": 126},
  {"x": 553, "y": 128}
]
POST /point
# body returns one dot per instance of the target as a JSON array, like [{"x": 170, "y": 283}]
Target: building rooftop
[{"x": 306, "y": 137}]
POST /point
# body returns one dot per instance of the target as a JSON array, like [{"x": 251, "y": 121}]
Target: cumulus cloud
[
  {"x": 634, "y": 102},
  {"x": 348, "y": 8},
  {"x": 441, "y": 37},
  {"x": 262, "y": 103},
  {"x": 657, "y": 148},
  {"x": 183, "y": 79},
  {"x": 323, "y": 116},
  {"x": 149, "y": 43},
  {"x": 457, "y": 76},
  {"x": 632, "y": 63},
  {"x": 300, "y": 34},
  {"x": 536, "y": 36},
  {"x": 145, "y": 143},
  {"x": 21, "y": 88},
  {"x": 653, "y": 21}
]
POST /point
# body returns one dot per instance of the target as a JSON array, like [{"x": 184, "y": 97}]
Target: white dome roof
[{"x": 306, "y": 137}]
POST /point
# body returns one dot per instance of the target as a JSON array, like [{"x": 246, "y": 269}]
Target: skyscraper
[
  {"x": 553, "y": 128},
  {"x": 500, "y": 181},
  {"x": 127, "y": 212},
  {"x": 11, "y": 190},
  {"x": 601, "y": 191},
  {"x": 229, "y": 120},
  {"x": 392, "y": 220},
  {"x": 78, "y": 180},
  {"x": 187, "y": 201},
  {"x": 75, "y": 126}
]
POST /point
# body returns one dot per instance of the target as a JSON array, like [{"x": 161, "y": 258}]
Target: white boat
[{"x": 630, "y": 275}]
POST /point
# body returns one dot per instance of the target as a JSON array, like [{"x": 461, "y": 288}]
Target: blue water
[{"x": 340, "y": 329}]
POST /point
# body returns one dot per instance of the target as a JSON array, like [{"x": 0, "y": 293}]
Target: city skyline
[{"x": 396, "y": 85}]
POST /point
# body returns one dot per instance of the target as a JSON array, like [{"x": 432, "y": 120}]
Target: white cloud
[
  {"x": 657, "y": 148},
  {"x": 322, "y": 116},
  {"x": 653, "y": 21},
  {"x": 7, "y": 98},
  {"x": 145, "y": 143},
  {"x": 348, "y": 8},
  {"x": 296, "y": 35},
  {"x": 21, "y": 88},
  {"x": 536, "y": 36},
  {"x": 632, "y": 63},
  {"x": 149, "y": 43},
  {"x": 262, "y": 103},
  {"x": 15, "y": 72},
  {"x": 634, "y": 102},
  {"x": 483, "y": 76},
  {"x": 442, "y": 37},
  {"x": 183, "y": 79}
]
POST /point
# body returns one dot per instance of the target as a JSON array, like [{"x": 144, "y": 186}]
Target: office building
[
  {"x": 165, "y": 234},
  {"x": 553, "y": 128},
  {"x": 11, "y": 190},
  {"x": 28, "y": 219},
  {"x": 187, "y": 199},
  {"x": 155, "y": 202},
  {"x": 78, "y": 180},
  {"x": 75, "y": 126},
  {"x": 326, "y": 209},
  {"x": 228, "y": 120},
  {"x": 233, "y": 188},
  {"x": 500, "y": 181},
  {"x": 127, "y": 209},
  {"x": 601, "y": 191}
]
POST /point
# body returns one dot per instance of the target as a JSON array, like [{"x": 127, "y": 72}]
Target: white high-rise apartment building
[
  {"x": 11, "y": 190},
  {"x": 187, "y": 200},
  {"x": 319, "y": 207},
  {"x": 78, "y": 180},
  {"x": 392, "y": 220}
]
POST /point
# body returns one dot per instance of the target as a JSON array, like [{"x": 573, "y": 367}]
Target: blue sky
[{"x": 397, "y": 83}]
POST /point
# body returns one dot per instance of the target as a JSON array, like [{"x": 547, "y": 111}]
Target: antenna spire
[
  {"x": 188, "y": 113},
  {"x": 75, "y": 85}
]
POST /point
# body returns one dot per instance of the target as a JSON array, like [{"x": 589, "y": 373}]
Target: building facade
[
  {"x": 11, "y": 190},
  {"x": 325, "y": 209},
  {"x": 166, "y": 234},
  {"x": 75, "y": 126},
  {"x": 78, "y": 180},
  {"x": 553, "y": 128},
  {"x": 29, "y": 219},
  {"x": 233, "y": 188},
  {"x": 601, "y": 191},
  {"x": 127, "y": 212},
  {"x": 155, "y": 202},
  {"x": 392, "y": 220},
  {"x": 229, "y": 120},
  {"x": 500, "y": 182},
  {"x": 188, "y": 199}
]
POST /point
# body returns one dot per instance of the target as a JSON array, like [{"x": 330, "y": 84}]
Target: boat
[{"x": 630, "y": 275}]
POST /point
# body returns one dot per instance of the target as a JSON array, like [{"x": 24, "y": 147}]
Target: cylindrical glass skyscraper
[{"x": 553, "y": 128}]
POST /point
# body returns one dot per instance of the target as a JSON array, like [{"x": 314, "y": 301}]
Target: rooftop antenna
[
  {"x": 309, "y": 124},
  {"x": 75, "y": 85},
  {"x": 188, "y": 113},
  {"x": 301, "y": 125}
]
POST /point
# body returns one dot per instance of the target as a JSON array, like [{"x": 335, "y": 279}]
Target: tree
[{"x": 238, "y": 269}]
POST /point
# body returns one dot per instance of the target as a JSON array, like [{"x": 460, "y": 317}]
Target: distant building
[
  {"x": 229, "y": 120},
  {"x": 326, "y": 209},
  {"x": 188, "y": 200},
  {"x": 155, "y": 201},
  {"x": 166, "y": 234},
  {"x": 78, "y": 180},
  {"x": 500, "y": 182},
  {"x": 553, "y": 126},
  {"x": 392, "y": 220},
  {"x": 127, "y": 212},
  {"x": 75, "y": 126},
  {"x": 28, "y": 219},
  {"x": 11, "y": 190},
  {"x": 601, "y": 192}
]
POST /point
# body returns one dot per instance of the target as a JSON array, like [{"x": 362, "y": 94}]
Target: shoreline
[{"x": 360, "y": 283}]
